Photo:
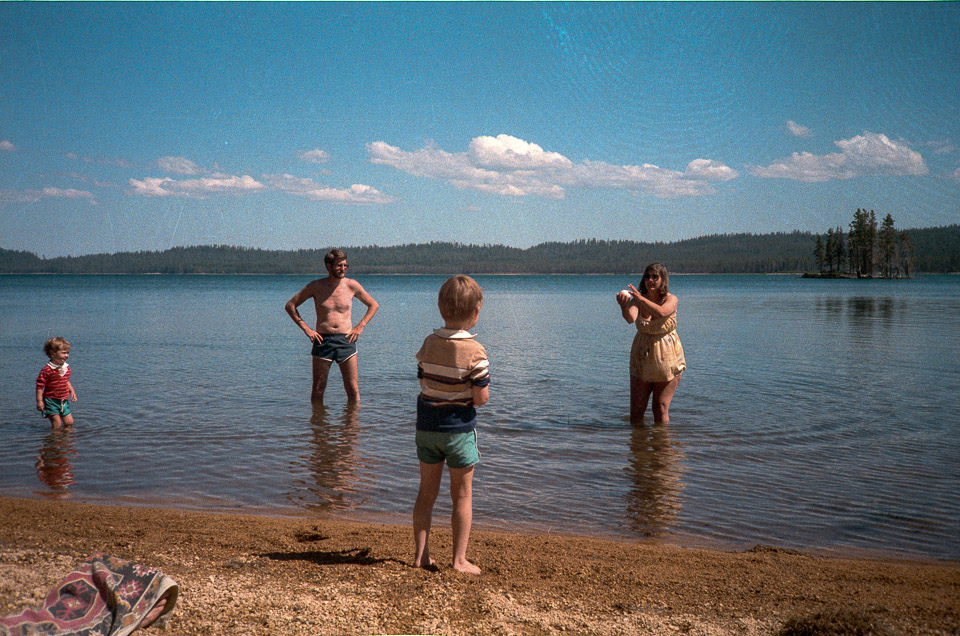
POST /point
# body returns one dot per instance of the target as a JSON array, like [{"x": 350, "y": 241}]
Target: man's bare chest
[{"x": 339, "y": 301}]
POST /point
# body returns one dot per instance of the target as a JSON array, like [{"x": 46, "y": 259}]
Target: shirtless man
[{"x": 335, "y": 337}]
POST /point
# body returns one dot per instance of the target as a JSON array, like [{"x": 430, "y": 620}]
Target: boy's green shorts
[
  {"x": 458, "y": 449},
  {"x": 52, "y": 406}
]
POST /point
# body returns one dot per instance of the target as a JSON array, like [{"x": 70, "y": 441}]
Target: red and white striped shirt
[{"x": 53, "y": 384}]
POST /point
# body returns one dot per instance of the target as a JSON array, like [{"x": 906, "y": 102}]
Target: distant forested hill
[{"x": 936, "y": 250}]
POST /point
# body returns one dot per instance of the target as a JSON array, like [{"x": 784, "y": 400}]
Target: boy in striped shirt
[
  {"x": 454, "y": 378},
  {"x": 53, "y": 384}
]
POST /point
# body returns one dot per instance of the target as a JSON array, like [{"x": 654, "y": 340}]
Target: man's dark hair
[{"x": 333, "y": 256}]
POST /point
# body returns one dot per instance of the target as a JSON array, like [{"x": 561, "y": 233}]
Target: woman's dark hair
[{"x": 657, "y": 268}]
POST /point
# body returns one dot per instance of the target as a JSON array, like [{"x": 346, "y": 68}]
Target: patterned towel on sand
[{"x": 105, "y": 596}]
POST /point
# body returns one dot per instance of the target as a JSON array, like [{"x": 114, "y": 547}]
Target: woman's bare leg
[
  {"x": 639, "y": 396},
  {"x": 662, "y": 396}
]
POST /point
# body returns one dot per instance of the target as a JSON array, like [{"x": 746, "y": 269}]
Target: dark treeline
[{"x": 934, "y": 250}]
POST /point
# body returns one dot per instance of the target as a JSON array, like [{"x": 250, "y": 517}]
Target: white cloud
[
  {"x": 178, "y": 165},
  {"x": 7, "y": 146},
  {"x": 357, "y": 193},
  {"x": 864, "y": 155},
  {"x": 314, "y": 156},
  {"x": 956, "y": 175},
  {"x": 195, "y": 188},
  {"x": 153, "y": 187},
  {"x": 940, "y": 146},
  {"x": 19, "y": 196},
  {"x": 34, "y": 196},
  {"x": 504, "y": 152},
  {"x": 509, "y": 166},
  {"x": 67, "y": 193},
  {"x": 797, "y": 130},
  {"x": 120, "y": 163},
  {"x": 709, "y": 170},
  {"x": 648, "y": 178}
]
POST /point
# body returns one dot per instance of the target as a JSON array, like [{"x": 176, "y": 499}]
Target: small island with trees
[{"x": 866, "y": 250}]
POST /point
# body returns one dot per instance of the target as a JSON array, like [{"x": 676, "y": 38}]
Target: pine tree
[
  {"x": 841, "y": 249},
  {"x": 887, "y": 244},
  {"x": 855, "y": 241},
  {"x": 829, "y": 249},
  {"x": 863, "y": 242}
]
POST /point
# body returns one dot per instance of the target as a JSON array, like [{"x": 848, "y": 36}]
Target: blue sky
[{"x": 144, "y": 126}]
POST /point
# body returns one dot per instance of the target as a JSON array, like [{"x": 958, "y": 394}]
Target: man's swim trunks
[{"x": 335, "y": 348}]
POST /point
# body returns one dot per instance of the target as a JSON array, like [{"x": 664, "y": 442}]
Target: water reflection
[
  {"x": 53, "y": 463},
  {"x": 861, "y": 309},
  {"x": 656, "y": 464},
  {"x": 333, "y": 458}
]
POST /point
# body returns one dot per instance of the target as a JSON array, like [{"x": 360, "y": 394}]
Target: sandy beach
[{"x": 243, "y": 574}]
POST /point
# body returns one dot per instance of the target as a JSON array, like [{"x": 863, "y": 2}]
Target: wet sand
[{"x": 243, "y": 574}]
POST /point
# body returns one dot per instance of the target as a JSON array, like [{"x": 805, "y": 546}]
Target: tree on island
[
  {"x": 887, "y": 243},
  {"x": 820, "y": 253},
  {"x": 863, "y": 243},
  {"x": 841, "y": 249},
  {"x": 830, "y": 248},
  {"x": 830, "y": 252},
  {"x": 867, "y": 250}
]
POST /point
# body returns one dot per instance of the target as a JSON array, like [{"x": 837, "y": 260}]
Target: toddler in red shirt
[{"x": 53, "y": 384}]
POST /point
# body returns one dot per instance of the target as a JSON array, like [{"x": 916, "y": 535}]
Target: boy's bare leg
[
  {"x": 430, "y": 476},
  {"x": 55, "y": 421},
  {"x": 639, "y": 396},
  {"x": 321, "y": 369},
  {"x": 68, "y": 420},
  {"x": 662, "y": 396},
  {"x": 351, "y": 382},
  {"x": 461, "y": 490}
]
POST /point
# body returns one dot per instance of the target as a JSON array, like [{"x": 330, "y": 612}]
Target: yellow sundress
[{"x": 656, "y": 354}]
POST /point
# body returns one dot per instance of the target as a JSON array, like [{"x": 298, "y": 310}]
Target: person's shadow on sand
[{"x": 354, "y": 556}]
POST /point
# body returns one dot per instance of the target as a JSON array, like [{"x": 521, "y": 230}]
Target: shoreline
[
  {"x": 253, "y": 574},
  {"x": 402, "y": 520}
]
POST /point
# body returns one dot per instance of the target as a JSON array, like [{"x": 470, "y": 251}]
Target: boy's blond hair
[
  {"x": 55, "y": 344},
  {"x": 459, "y": 298}
]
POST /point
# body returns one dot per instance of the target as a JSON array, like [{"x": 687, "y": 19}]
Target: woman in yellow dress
[{"x": 656, "y": 358}]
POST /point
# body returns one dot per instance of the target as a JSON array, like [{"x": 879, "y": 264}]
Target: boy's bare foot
[
  {"x": 466, "y": 567},
  {"x": 430, "y": 565}
]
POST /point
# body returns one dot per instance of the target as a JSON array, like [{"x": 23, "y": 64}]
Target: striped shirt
[
  {"x": 54, "y": 385},
  {"x": 450, "y": 364}
]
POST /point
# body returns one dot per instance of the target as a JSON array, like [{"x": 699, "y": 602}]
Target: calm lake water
[{"x": 815, "y": 414}]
